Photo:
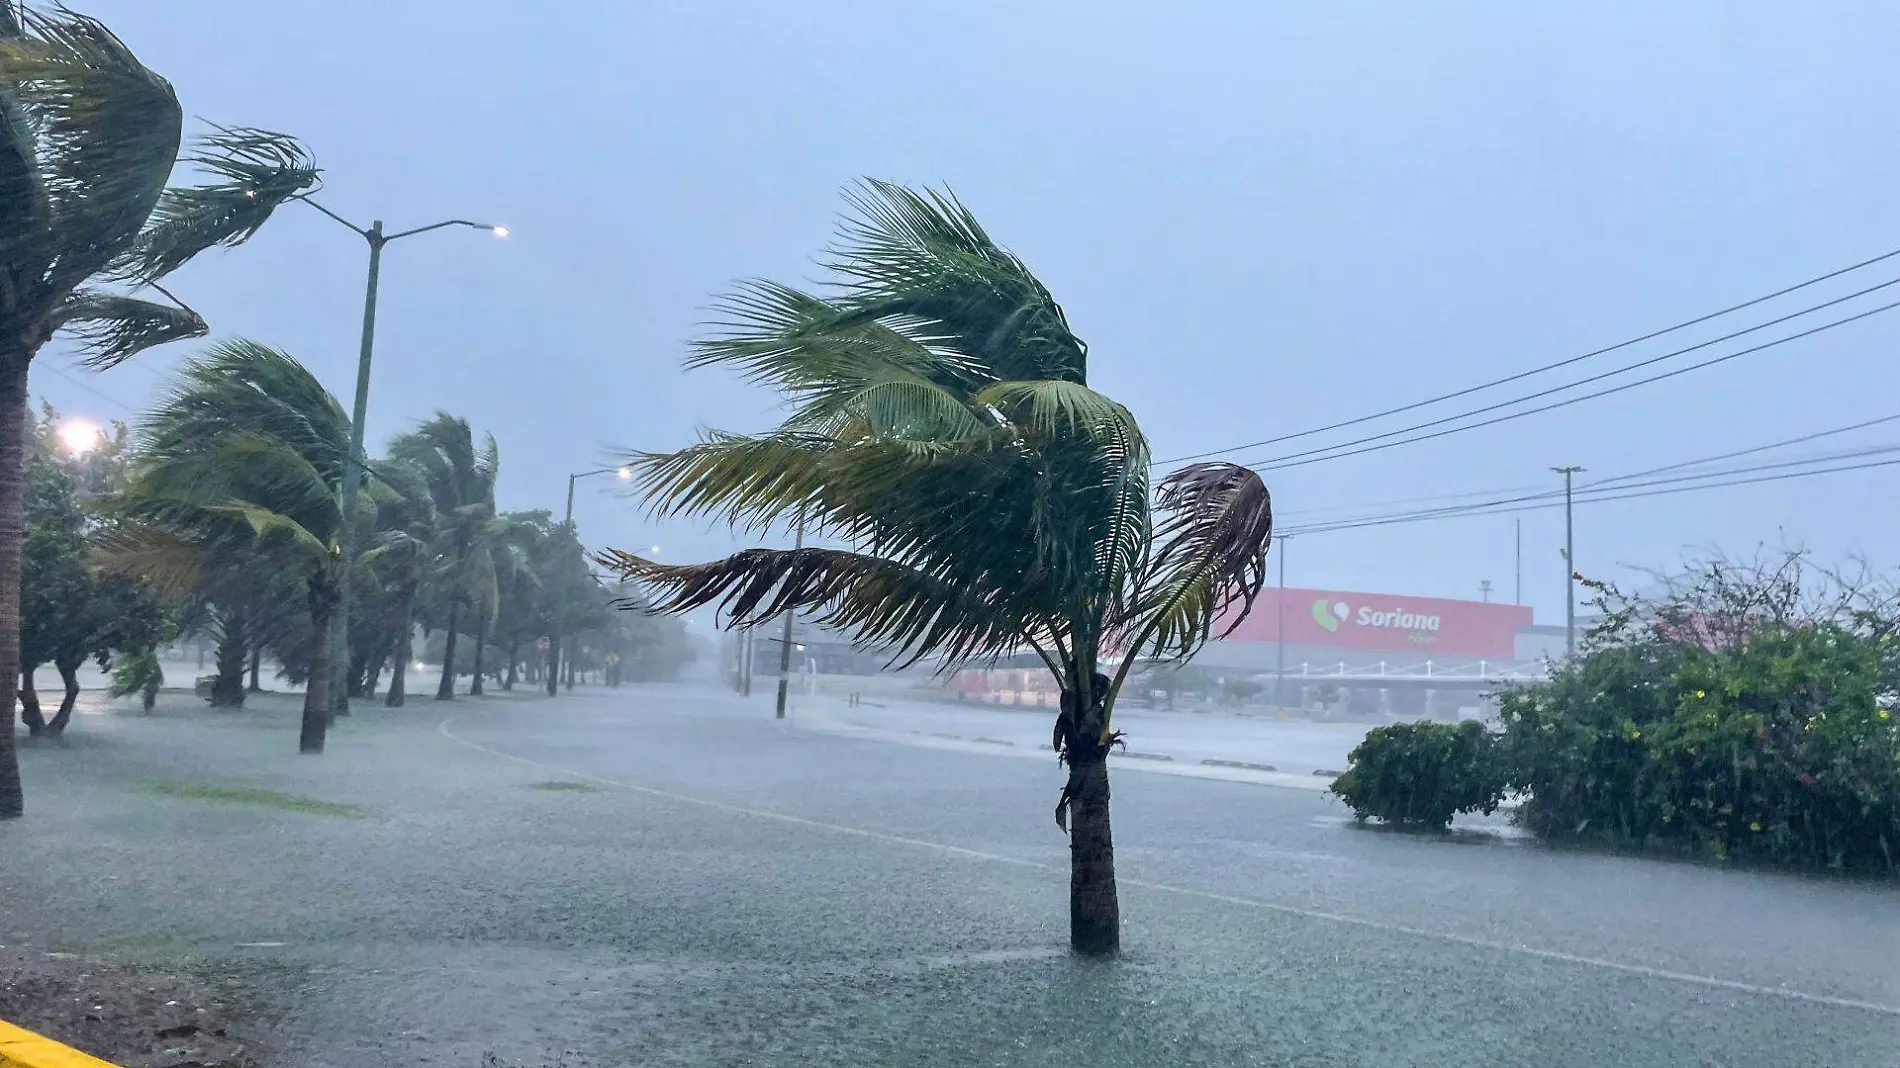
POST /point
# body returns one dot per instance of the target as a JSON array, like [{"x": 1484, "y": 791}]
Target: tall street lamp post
[
  {"x": 353, "y": 462},
  {"x": 567, "y": 521}
]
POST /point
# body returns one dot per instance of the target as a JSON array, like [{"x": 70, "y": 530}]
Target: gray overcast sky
[{"x": 1262, "y": 217}]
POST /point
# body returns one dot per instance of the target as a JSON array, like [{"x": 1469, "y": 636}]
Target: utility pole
[
  {"x": 1484, "y": 590},
  {"x": 353, "y": 460},
  {"x": 1570, "y": 563},
  {"x": 745, "y": 663},
  {"x": 785, "y": 642},
  {"x": 1517, "y": 595},
  {"x": 1279, "y": 644},
  {"x": 567, "y": 524}
]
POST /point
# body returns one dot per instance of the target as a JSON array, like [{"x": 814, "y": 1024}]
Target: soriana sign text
[{"x": 1428, "y": 625}]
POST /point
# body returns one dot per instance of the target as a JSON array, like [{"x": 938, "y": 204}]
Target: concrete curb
[
  {"x": 1230, "y": 771},
  {"x": 20, "y": 1048}
]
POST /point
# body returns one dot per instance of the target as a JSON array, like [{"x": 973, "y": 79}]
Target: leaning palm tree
[
  {"x": 461, "y": 480},
  {"x": 242, "y": 462},
  {"x": 941, "y": 426},
  {"x": 88, "y": 139},
  {"x": 402, "y": 555}
]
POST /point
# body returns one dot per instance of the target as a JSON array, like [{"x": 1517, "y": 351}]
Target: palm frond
[
  {"x": 924, "y": 255},
  {"x": 244, "y": 386},
  {"x": 106, "y": 134},
  {"x": 799, "y": 343},
  {"x": 171, "y": 563},
  {"x": 240, "y": 464},
  {"x": 1214, "y": 538},
  {"x": 273, "y": 527},
  {"x": 112, "y": 327},
  {"x": 881, "y": 602},
  {"x": 251, "y": 173},
  {"x": 25, "y": 240},
  {"x": 1055, "y": 408}
]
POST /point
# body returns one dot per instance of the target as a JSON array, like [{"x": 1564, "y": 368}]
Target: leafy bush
[
  {"x": 138, "y": 673},
  {"x": 1424, "y": 773},
  {"x": 1743, "y": 715}
]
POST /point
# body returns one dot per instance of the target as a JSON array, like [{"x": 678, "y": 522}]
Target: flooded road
[{"x": 667, "y": 876}]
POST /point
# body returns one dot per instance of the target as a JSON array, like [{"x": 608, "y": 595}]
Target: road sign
[
  {"x": 612, "y": 659},
  {"x": 542, "y": 643}
]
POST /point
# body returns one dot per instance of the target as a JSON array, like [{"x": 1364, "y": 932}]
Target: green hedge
[
  {"x": 1775, "y": 748},
  {"x": 1422, "y": 774},
  {"x": 1747, "y": 715}
]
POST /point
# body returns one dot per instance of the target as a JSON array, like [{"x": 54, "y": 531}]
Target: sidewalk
[{"x": 1296, "y": 754}]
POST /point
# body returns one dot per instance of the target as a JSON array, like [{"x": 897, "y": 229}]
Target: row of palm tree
[{"x": 232, "y": 504}]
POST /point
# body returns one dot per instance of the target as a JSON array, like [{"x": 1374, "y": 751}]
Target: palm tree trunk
[
  {"x": 257, "y": 662},
  {"x": 13, "y": 363},
  {"x": 514, "y": 660},
  {"x": 554, "y": 662},
  {"x": 353, "y": 678},
  {"x": 29, "y": 705},
  {"x": 399, "y": 671},
  {"x": 228, "y": 690},
  {"x": 1095, "y": 923},
  {"x": 1094, "y": 910},
  {"x": 445, "y": 690},
  {"x": 316, "y": 697},
  {"x": 481, "y": 643},
  {"x": 68, "y": 674}
]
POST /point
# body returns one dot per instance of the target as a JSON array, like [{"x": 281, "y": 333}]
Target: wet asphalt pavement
[{"x": 734, "y": 891}]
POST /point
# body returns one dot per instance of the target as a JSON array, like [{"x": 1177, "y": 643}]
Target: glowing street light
[{"x": 80, "y": 437}]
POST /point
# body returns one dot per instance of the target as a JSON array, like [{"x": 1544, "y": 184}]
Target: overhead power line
[
  {"x": 1507, "y": 491},
  {"x": 1303, "y": 512},
  {"x": 1301, "y": 459},
  {"x": 1540, "y": 502},
  {"x": 1519, "y": 376},
  {"x": 47, "y": 365},
  {"x": 1802, "y": 440}
]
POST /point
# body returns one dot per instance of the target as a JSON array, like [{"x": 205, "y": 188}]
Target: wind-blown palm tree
[
  {"x": 508, "y": 544},
  {"x": 88, "y": 139},
  {"x": 402, "y": 555},
  {"x": 242, "y": 462},
  {"x": 461, "y": 480},
  {"x": 942, "y": 427}
]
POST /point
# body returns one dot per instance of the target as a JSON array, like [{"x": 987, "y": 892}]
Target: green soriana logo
[{"x": 1328, "y": 615}]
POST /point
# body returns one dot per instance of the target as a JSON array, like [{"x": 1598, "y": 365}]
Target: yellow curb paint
[{"x": 20, "y": 1048}]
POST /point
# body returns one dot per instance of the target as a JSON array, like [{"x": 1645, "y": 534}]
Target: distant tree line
[{"x": 217, "y": 517}]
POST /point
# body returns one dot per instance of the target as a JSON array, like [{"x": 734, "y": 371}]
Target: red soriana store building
[
  {"x": 1324, "y": 628},
  {"x": 1405, "y": 655}
]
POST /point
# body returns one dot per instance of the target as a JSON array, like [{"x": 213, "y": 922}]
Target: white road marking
[{"x": 1205, "y": 895}]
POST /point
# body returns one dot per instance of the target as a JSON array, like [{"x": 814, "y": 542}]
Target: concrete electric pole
[{"x": 1570, "y": 563}]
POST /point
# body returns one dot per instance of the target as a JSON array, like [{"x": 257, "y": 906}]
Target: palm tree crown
[
  {"x": 942, "y": 426},
  {"x": 245, "y": 457},
  {"x": 460, "y": 477}
]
